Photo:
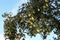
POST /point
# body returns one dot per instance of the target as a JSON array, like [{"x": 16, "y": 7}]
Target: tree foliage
[{"x": 35, "y": 16}]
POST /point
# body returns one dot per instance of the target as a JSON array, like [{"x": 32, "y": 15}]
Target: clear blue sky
[
  {"x": 6, "y": 6},
  {"x": 12, "y": 5}
]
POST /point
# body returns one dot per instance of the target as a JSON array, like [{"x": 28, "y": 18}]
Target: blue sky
[
  {"x": 12, "y": 6},
  {"x": 6, "y": 6}
]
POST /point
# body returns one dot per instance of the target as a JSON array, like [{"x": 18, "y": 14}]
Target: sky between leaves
[{"x": 12, "y": 6}]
